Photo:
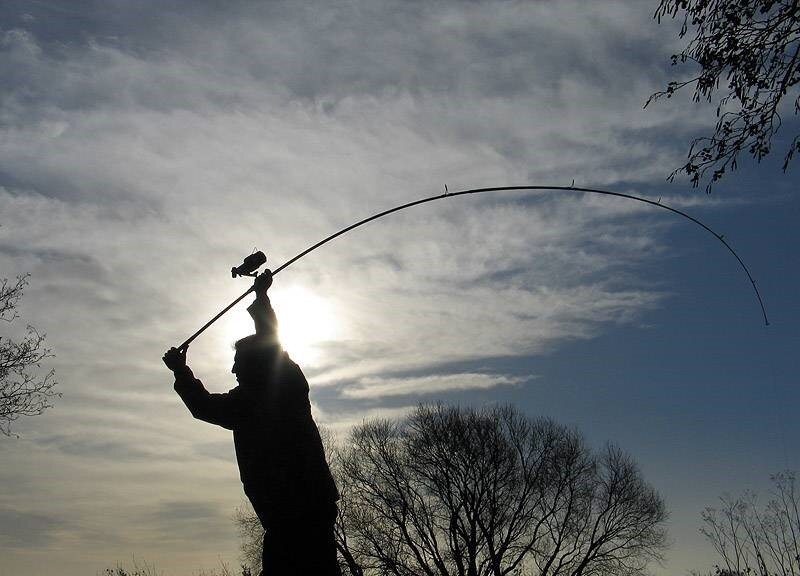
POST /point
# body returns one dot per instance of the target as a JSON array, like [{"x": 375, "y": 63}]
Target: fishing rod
[{"x": 254, "y": 261}]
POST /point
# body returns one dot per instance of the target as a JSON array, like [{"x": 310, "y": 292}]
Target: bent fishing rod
[{"x": 254, "y": 261}]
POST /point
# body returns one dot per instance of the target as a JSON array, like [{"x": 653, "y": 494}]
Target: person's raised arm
[{"x": 264, "y": 318}]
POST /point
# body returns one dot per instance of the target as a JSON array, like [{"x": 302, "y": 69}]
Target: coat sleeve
[
  {"x": 263, "y": 315},
  {"x": 226, "y": 410}
]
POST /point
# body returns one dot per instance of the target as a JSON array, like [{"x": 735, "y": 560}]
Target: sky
[{"x": 146, "y": 148}]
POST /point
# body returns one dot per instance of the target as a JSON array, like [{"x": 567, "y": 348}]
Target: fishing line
[{"x": 449, "y": 194}]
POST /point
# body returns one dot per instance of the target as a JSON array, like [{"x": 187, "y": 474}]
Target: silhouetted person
[{"x": 278, "y": 447}]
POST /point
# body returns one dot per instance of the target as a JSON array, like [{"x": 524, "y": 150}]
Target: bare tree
[
  {"x": 351, "y": 561},
  {"x": 757, "y": 541},
  {"x": 746, "y": 55},
  {"x": 22, "y": 391},
  {"x": 607, "y": 520},
  {"x": 453, "y": 491}
]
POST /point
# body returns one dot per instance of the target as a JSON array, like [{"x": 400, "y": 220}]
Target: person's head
[{"x": 255, "y": 357}]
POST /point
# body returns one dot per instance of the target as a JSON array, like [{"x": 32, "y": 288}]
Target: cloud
[
  {"x": 148, "y": 123},
  {"x": 383, "y": 387},
  {"x": 188, "y": 520},
  {"x": 347, "y": 415},
  {"x": 96, "y": 448},
  {"x": 21, "y": 529}
]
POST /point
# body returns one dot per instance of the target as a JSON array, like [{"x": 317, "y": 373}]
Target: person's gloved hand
[
  {"x": 175, "y": 359},
  {"x": 263, "y": 281}
]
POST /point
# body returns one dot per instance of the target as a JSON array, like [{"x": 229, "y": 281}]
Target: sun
[{"x": 305, "y": 322}]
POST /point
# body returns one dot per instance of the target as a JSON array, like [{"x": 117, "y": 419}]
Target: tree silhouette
[
  {"x": 22, "y": 392},
  {"x": 746, "y": 55},
  {"x": 456, "y": 491},
  {"x": 753, "y": 540}
]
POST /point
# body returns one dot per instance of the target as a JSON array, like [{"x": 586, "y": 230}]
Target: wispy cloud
[
  {"x": 383, "y": 387},
  {"x": 20, "y": 529}
]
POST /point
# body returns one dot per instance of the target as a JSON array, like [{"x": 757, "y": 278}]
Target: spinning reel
[{"x": 249, "y": 266}]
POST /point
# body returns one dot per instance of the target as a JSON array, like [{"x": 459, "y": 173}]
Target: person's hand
[
  {"x": 175, "y": 359},
  {"x": 263, "y": 281}
]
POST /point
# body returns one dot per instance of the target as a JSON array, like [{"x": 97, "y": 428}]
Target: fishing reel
[{"x": 250, "y": 265}]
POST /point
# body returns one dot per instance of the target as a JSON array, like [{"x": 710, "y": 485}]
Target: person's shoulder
[
  {"x": 295, "y": 367},
  {"x": 287, "y": 360},
  {"x": 290, "y": 370}
]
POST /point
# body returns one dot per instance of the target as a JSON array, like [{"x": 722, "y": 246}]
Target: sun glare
[{"x": 305, "y": 322}]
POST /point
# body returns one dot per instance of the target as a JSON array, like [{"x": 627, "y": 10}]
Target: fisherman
[{"x": 278, "y": 447}]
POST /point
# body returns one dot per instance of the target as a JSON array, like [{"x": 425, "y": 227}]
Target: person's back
[{"x": 278, "y": 447}]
